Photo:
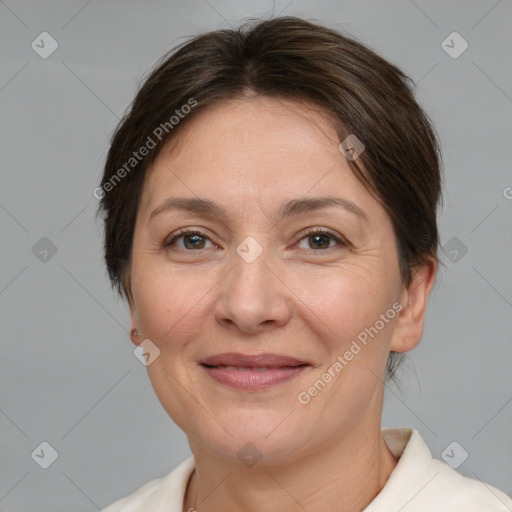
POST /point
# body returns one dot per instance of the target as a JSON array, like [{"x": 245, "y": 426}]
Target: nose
[{"x": 252, "y": 297}]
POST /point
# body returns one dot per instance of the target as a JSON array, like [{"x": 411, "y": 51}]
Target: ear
[
  {"x": 127, "y": 289},
  {"x": 409, "y": 324},
  {"x": 134, "y": 326}
]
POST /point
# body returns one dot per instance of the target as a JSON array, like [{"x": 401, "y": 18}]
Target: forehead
[
  {"x": 251, "y": 131},
  {"x": 260, "y": 150}
]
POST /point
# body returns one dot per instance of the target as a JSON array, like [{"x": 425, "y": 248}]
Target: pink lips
[{"x": 252, "y": 372}]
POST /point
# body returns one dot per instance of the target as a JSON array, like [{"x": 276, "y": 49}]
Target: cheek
[
  {"x": 168, "y": 302},
  {"x": 346, "y": 303}
]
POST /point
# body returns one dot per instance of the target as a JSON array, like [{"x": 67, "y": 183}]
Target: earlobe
[
  {"x": 134, "y": 332},
  {"x": 134, "y": 336},
  {"x": 409, "y": 324}
]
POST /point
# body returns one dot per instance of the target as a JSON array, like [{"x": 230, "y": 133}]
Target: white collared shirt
[{"x": 418, "y": 483}]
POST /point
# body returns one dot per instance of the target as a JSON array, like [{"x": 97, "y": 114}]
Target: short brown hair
[{"x": 362, "y": 93}]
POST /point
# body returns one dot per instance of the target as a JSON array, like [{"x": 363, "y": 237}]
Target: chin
[{"x": 262, "y": 439}]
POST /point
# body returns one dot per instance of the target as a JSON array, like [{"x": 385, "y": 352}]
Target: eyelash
[{"x": 315, "y": 231}]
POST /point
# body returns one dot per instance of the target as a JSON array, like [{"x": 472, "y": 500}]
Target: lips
[
  {"x": 252, "y": 372},
  {"x": 252, "y": 361}
]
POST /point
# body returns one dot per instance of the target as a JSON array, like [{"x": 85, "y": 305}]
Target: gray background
[{"x": 68, "y": 373}]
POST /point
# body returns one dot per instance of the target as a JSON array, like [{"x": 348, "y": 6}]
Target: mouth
[{"x": 252, "y": 372}]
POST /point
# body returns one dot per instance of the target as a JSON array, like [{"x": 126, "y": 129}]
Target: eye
[
  {"x": 321, "y": 239},
  {"x": 192, "y": 240}
]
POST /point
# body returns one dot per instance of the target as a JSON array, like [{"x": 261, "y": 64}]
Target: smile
[
  {"x": 252, "y": 372},
  {"x": 253, "y": 378}
]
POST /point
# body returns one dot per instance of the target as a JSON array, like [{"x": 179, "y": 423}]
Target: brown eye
[
  {"x": 321, "y": 240},
  {"x": 192, "y": 240}
]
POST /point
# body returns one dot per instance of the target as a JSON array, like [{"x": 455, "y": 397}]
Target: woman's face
[{"x": 256, "y": 281}]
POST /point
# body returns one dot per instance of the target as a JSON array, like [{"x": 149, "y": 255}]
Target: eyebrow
[{"x": 289, "y": 209}]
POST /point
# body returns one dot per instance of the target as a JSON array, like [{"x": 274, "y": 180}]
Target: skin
[{"x": 301, "y": 298}]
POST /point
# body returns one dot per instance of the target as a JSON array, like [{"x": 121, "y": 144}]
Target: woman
[{"x": 270, "y": 216}]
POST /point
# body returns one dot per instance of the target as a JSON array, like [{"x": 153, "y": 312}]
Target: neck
[{"x": 345, "y": 476}]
